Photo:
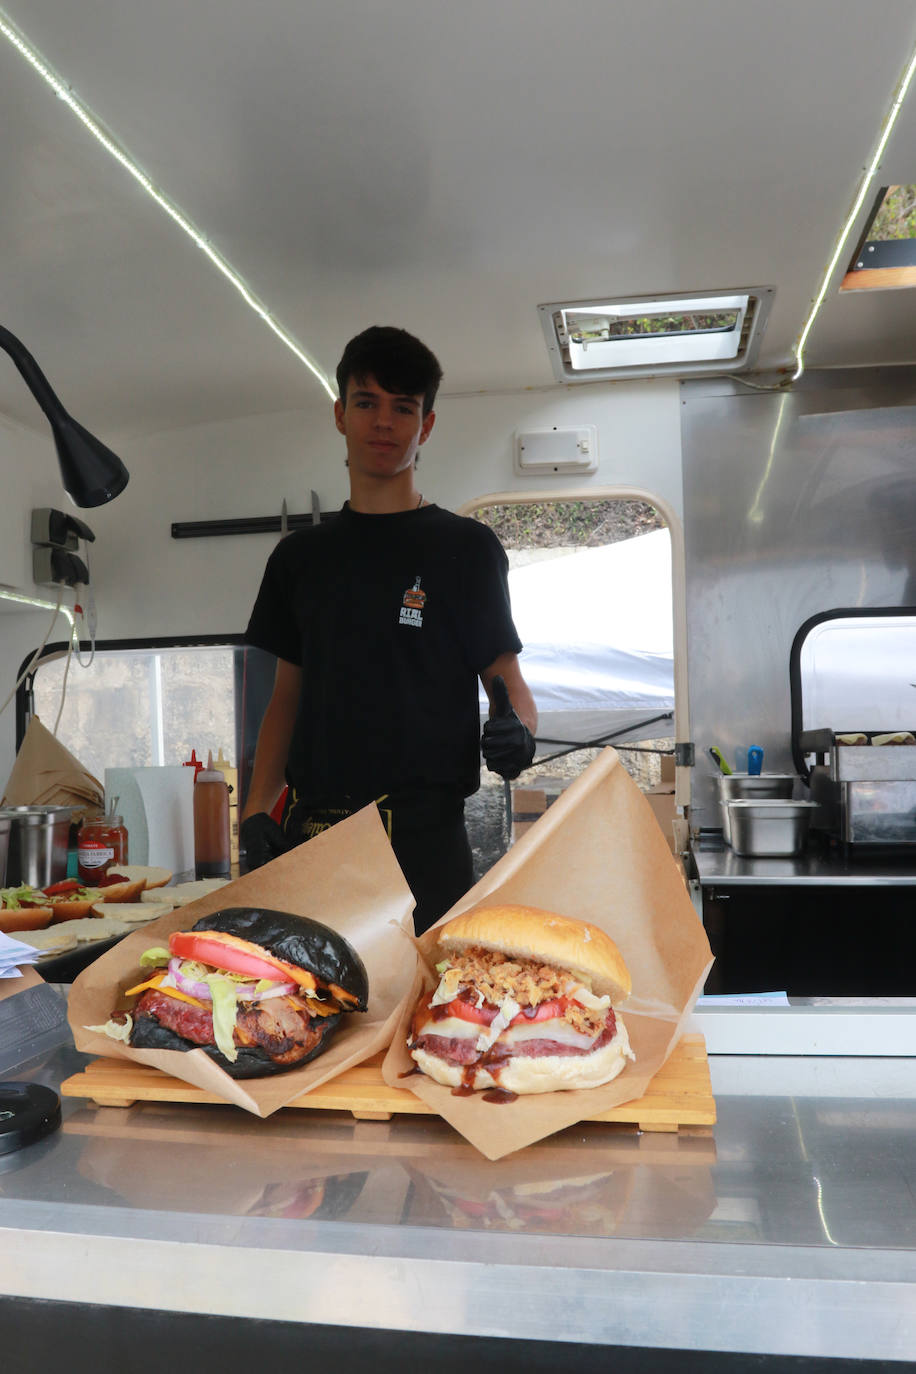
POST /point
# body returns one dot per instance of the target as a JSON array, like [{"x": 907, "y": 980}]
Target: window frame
[{"x": 759, "y": 300}]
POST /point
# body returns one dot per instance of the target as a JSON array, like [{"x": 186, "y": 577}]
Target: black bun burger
[{"x": 260, "y": 991}]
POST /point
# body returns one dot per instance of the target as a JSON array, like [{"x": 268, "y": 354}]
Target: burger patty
[
  {"x": 283, "y": 1030},
  {"x": 463, "y": 1050}
]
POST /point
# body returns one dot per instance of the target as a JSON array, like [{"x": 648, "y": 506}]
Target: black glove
[
  {"x": 262, "y": 840},
  {"x": 507, "y": 744}
]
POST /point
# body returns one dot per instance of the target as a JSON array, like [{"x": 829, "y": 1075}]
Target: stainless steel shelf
[{"x": 717, "y": 865}]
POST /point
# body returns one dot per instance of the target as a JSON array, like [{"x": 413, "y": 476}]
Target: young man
[{"x": 382, "y": 618}]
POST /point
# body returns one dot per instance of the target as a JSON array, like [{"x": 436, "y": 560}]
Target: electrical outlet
[
  {"x": 53, "y": 565},
  {"x": 58, "y": 528}
]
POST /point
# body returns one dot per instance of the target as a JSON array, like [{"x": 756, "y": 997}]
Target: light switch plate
[{"x": 556, "y": 451}]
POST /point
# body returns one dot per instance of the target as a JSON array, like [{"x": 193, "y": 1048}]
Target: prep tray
[{"x": 679, "y": 1096}]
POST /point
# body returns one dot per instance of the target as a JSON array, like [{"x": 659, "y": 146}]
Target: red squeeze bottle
[
  {"x": 193, "y": 762},
  {"x": 211, "y": 823}
]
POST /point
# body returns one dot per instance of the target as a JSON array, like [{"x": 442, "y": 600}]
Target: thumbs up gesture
[{"x": 507, "y": 744}]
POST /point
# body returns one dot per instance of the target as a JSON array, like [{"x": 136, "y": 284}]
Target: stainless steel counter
[
  {"x": 789, "y": 1229},
  {"x": 717, "y": 865}
]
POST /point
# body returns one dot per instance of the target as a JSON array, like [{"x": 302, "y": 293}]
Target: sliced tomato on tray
[{"x": 63, "y": 888}]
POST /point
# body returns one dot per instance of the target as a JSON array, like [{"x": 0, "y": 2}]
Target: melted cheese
[
  {"x": 556, "y": 1029},
  {"x": 451, "y": 1027}
]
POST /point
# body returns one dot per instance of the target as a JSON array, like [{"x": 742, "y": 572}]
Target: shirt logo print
[{"x": 412, "y": 606}]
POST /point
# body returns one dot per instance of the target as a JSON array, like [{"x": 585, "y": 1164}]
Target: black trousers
[
  {"x": 429, "y": 840},
  {"x": 438, "y": 867}
]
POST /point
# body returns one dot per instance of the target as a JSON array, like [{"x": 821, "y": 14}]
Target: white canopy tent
[{"x": 597, "y": 630}]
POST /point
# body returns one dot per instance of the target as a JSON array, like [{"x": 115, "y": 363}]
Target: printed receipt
[
  {"x": 12, "y": 954},
  {"x": 744, "y": 999}
]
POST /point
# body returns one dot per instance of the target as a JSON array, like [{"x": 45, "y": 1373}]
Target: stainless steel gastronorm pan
[
  {"x": 769, "y": 826},
  {"x": 751, "y": 787}
]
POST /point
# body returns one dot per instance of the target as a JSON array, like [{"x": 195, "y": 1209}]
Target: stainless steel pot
[{"x": 38, "y": 839}]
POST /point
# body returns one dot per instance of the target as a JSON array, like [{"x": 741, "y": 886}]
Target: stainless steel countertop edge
[{"x": 858, "y": 1304}]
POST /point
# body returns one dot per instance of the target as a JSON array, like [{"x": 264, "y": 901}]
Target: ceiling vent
[{"x": 710, "y": 332}]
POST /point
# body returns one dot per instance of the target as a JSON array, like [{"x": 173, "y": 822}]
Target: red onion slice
[{"x": 245, "y": 992}]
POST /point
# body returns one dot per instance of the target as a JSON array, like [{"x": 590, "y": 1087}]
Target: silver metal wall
[{"x": 795, "y": 503}]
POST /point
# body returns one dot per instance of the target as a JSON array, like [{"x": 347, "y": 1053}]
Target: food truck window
[
  {"x": 855, "y": 671},
  {"x": 591, "y": 587},
  {"x": 149, "y": 703}
]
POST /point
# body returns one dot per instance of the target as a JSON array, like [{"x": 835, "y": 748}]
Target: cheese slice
[{"x": 453, "y": 1028}]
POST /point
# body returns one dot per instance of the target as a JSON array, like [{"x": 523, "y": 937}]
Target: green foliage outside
[
  {"x": 570, "y": 524},
  {"x": 584, "y": 329},
  {"x": 896, "y": 218}
]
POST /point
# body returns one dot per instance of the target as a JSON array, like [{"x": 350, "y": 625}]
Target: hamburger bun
[
  {"x": 64, "y": 909},
  {"x": 295, "y": 940},
  {"x": 525, "y": 1003},
  {"x": 530, "y": 932},
  {"x": 135, "y": 913},
  {"x": 183, "y": 893},
  {"x": 151, "y": 875},
  {"x": 25, "y": 918},
  {"x": 51, "y": 942}
]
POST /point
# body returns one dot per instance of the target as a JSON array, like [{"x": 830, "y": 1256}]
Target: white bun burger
[{"x": 525, "y": 1003}]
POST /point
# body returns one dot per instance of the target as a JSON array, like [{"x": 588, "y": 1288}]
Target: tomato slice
[
  {"x": 220, "y": 950},
  {"x": 466, "y": 1011},
  {"x": 483, "y": 1016},
  {"x": 545, "y": 1012},
  {"x": 58, "y": 889}
]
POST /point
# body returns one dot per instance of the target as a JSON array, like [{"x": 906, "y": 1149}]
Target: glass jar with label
[{"x": 101, "y": 845}]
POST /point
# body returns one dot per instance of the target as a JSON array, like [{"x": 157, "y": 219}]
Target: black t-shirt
[{"x": 391, "y": 618}]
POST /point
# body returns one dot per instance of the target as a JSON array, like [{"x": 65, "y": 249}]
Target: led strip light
[
  {"x": 10, "y": 594},
  {"x": 63, "y": 92},
  {"x": 864, "y": 187}
]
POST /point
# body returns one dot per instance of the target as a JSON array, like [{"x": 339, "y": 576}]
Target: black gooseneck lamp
[{"x": 91, "y": 473}]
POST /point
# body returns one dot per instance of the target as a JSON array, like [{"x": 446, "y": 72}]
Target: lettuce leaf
[
  {"x": 11, "y": 898},
  {"x": 222, "y": 990},
  {"x": 157, "y": 957}
]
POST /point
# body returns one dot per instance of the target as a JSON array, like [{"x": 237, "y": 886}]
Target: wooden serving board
[{"x": 679, "y": 1097}]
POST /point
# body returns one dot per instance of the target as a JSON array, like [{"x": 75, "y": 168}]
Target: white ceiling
[{"x": 445, "y": 165}]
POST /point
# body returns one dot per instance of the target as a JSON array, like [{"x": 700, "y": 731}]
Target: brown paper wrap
[
  {"x": 348, "y": 878},
  {"x": 598, "y": 855},
  {"x": 47, "y": 774},
  {"x": 29, "y": 978}
]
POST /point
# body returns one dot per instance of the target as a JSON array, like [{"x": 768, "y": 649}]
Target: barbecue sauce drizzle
[{"x": 493, "y": 1060}]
